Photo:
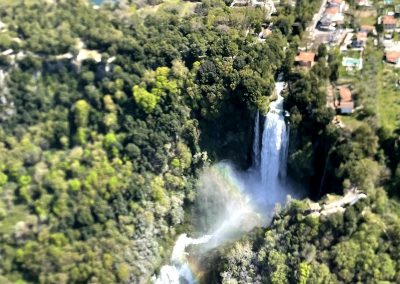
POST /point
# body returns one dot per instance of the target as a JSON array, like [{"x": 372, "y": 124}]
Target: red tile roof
[
  {"x": 305, "y": 56},
  {"x": 345, "y": 95},
  {"x": 392, "y": 56},
  {"x": 388, "y": 20},
  {"x": 332, "y": 10},
  {"x": 346, "y": 101},
  {"x": 367, "y": 28},
  {"x": 336, "y": 1}
]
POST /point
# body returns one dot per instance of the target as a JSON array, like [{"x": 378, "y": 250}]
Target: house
[
  {"x": 392, "y": 57},
  {"x": 305, "y": 59},
  {"x": 341, "y": 4},
  {"x": 389, "y": 22},
  {"x": 346, "y": 103},
  {"x": 334, "y": 14},
  {"x": 331, "y": 11}
]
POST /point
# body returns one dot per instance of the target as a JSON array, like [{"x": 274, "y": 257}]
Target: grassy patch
[
  {"x": 183, "y": 8},
  {"x": 388, "y": 107},
  {"x": 367, "y": 17},
  {"x": 350, "y": 121}
]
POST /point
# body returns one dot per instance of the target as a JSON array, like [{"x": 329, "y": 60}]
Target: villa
[
  {"x": 392, "y": 57},
  {"x": 341, "y": 4},
  {"x": 389, "y": 22},
  {"x": 305, "y": 59},
  {"x": 332, "y": 11},
  {"x": 346, "y": 103},
  {"x": 334, "y": 15}
]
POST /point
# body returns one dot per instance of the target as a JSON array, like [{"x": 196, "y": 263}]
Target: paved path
[{"x": 313, "y": 24}]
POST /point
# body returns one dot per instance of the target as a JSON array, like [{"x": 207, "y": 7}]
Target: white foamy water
[
  {"x": 179, "y": 270},
  {"x": 274, "y": 146}
]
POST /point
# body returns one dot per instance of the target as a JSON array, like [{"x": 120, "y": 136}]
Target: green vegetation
[
  {"x": 108, "y": 116},
  {"x": 182, "y": 8},
  {"x": 360, "y": 245},
  {"x": 388, "y": 97},
  {"x": 100, "y": 157}
]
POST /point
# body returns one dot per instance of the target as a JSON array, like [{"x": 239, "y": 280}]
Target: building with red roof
[
  {"x": 389, "y": 22},
  {"x": 346, "y": 103},
  {"x": 305, "y": 59},
  {"x": 392, "y": 57}
]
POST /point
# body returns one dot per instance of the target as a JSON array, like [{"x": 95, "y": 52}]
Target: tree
[
  {"x": 81, "y": 109},
  {"x": 145, "y": 100}
]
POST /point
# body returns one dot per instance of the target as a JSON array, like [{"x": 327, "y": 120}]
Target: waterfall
[
  {"x": 236, "y": 201},
  {"x": 179, "y": 270},
  {"x": 256, "y": 142},
  {"x": 274, "y": 145}
]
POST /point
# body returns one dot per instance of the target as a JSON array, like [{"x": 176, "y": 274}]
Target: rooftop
[
  {"x": 305, "y": 56},
  {"x": 345, "y": 95},
  {"x": 332, "y": 11},
  {"x": 388, "y": 20},
  {"x": 392, "y": 56},
  {"x": 367, "y": 28}
]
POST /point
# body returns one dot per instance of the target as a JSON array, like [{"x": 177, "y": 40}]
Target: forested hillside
[
  {"x": 99, "y": 156},
  {"x": 107, "y": 117}
]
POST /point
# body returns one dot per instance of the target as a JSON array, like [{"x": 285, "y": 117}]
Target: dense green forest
[
  {"x": 109, "y": 115},
  {"x": 99, "y": 158}
]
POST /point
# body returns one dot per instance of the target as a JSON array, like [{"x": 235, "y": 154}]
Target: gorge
[{"x": 247, "y": 198}]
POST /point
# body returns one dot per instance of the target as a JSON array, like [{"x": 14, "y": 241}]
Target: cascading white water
[
  {"x": 274, "y": 144},
  {"x": 179, "y": 270},
  {"x": 256, "y": 143},
  {"x": 239, "y": 197}
]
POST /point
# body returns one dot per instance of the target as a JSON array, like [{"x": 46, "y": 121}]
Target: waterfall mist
[{"x": 223, "y": 207}]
